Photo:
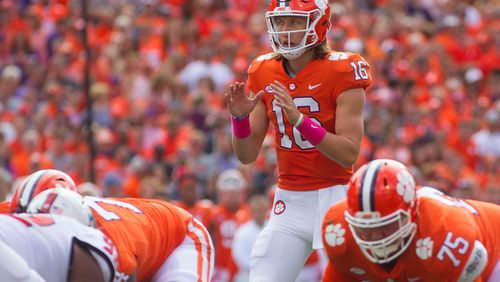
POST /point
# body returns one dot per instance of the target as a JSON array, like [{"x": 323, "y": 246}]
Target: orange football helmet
[
  {"x": 317, "y": 13},
  {"x": 382, "y": 209},
  {"x": 36, "y": 183}
]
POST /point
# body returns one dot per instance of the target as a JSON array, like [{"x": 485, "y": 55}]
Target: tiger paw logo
[
  {"x": 406, "y": 186},
  {"x": 279, "y": 207},
  {"x": 334, "y": 234},
  {"x": 424, "y": 248}
]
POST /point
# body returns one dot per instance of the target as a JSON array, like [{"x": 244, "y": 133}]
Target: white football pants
[{"x": 294, "y": 229}]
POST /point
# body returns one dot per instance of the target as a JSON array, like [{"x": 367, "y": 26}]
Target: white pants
[
  {"x": 192, "y": 260},
  {"x": 13, "y": 268},
  {"x": 312, "y": 272},
  {"x": 293, "y": 231}
]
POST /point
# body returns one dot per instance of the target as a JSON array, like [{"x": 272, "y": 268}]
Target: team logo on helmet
[
  {"x": 279, "y": 207},
  {"x": 406, "y": 186}
]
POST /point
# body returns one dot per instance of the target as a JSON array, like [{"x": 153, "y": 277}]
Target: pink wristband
[
  {"x": 241, "y": 127},
  {"x": 310, "y": 130}
]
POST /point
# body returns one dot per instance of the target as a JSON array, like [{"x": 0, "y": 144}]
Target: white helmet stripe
[
  {"x": 29, "y": 188},
  {"x": 368, "y": 185},
  {"x": 283, "y": 3}
]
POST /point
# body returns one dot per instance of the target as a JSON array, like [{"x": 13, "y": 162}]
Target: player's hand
[
  {"x": 285, "y": 102},
  {"x": 238, "y": 103}
]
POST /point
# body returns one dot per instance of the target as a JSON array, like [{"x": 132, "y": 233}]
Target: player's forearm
[
  {"x": 245, "y": 149},
  {"x": 343, "y": 146},
  {"x": 247, "y": 142},
  {"x": 340, "y": 149}
]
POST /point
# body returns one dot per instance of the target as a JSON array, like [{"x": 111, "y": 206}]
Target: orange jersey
[
  {"x": 5, "y": 207},
  {"x": 445, "y": 246},
  {"x": 225, "y": 225},
  {"x": 314, "y": 90},
  {"x": 144, "y": 231}
]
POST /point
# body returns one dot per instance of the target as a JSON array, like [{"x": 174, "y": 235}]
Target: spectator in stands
[{"x": 246, "y": 235}]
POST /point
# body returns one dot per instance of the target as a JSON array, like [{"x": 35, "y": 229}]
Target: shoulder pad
[
  {"x": 350, "y": 69},
  {"x": 257, "y": 62},
  {"x": 342, "y": 60}
]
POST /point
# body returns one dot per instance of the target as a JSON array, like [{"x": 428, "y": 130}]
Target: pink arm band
[
  {"x": 310, "y": 130},
  {"x": 241, "y": 127}
]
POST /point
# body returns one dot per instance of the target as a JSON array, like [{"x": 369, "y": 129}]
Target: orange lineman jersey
[
  {"x": 314, "y": 90},
  {"x": 225, "y": 225},
  {"x": 144, "y": 231},
  {"x": 445, "y": 246},
  {"x": 5, "y": 207}
]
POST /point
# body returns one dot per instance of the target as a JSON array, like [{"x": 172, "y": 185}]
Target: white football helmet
[{"x": 62, "y": 202}]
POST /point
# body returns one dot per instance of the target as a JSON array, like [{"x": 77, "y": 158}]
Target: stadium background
[{"x": 159, "y": 68}]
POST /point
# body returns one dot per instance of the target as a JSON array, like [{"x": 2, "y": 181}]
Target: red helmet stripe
[
  {"x": 27, "y": 194},
  {"x": 45, "y": 208}
]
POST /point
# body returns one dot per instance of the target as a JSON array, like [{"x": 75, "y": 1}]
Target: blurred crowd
[
  {"x": 161, "y": 130},
  {"x": 159, "y": 69}
]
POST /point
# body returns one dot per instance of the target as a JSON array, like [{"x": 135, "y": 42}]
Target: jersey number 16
[{"x": 285, "y": 140}]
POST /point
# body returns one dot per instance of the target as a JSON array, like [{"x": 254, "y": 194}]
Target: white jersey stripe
[
  {"x": 210, "y": 247},
  {"x": 198, "y": 235},
  {"x": 198, "y": 238},
  {"x": 24, "y": 198},
  {"x": 367, "y": 183}
]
